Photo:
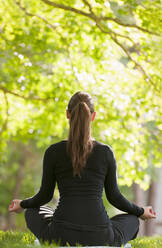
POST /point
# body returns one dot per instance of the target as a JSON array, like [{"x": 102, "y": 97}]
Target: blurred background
[{"x": 48, "y": 51}]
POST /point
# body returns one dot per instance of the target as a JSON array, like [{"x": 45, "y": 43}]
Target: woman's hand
[
  {"x": 148, "y": 213},
  {"x": 15, "y": 206}
]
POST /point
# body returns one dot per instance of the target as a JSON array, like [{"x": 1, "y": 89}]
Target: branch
[
  {"x": 148, "y": 78},
  {"x": 62, "y": 6},
  {"x": 35, "y": 15},
  {"x": 40, "y": 17},
  {"x": 89, "y": 6},
  {"x": 113, "y": 36},
  {"x": 97, "y": 20},
  {"x": 114, "y": 33},
  {"x": 118, "y": 21},
  {"x": 24, "y": 97},
  {"x": 94, "y": 17}
]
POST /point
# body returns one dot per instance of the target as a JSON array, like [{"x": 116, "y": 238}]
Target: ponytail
[{"x": 79, "y": 143}]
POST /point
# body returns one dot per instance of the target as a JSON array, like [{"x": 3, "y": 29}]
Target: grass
[{"x": 11, "y": 239}]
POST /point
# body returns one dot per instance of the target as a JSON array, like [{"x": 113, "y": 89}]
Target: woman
[{"x": 82, "y": 167}]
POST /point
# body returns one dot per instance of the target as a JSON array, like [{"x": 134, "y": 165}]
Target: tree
[{"x": 108, "y": 48}]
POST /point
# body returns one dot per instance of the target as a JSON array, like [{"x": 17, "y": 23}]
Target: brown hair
[{"x": 79, "y": 144}]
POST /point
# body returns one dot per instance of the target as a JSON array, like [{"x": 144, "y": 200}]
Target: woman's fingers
[
  {"x": 15, "y": 206},
  {"x": 149, "y": 213},
  {"x": 151, "y": 210},
  {"x": 152, "y": 213},
  {"x": 11, "y": 206}
]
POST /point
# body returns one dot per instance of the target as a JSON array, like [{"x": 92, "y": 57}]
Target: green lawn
[{"x": 26, "y": 240}]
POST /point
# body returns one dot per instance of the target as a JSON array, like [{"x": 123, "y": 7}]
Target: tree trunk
[
  {"x": 150, "y": 224},
  {"x": 17, "y": 188},
  {"x": 139, "y": 200}
]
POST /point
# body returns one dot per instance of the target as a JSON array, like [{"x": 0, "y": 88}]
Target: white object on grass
[
  {"x": 127, "y": 246},
  {"x": 36, "y": 242}
]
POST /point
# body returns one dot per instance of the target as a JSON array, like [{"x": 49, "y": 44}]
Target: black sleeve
[
  {"x": 112, "y": 191},
  {"x": 48, "y": 183}
]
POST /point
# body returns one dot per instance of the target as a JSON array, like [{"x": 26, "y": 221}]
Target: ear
[
  {"x": 93, "y": 116},
  {"x": 67, "y": 114}
]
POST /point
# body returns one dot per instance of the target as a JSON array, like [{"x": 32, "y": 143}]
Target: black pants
[{"x": 39, "y": 220}]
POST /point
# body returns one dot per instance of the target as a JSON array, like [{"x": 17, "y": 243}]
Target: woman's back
[{"x": 80, "y": 197}]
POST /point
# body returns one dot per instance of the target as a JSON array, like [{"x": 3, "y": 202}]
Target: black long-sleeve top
[{"x": 81, "y": 198}]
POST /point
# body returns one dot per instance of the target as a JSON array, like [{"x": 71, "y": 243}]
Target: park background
[{"x": 51, "y": 49}]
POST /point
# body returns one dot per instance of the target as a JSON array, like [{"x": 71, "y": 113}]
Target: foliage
[
  {"x": 147, "y": 242},
  {"x": 110, "y": 49},
  {"x": 15, "y": 239},
  {"x": 23, "y": 240}
]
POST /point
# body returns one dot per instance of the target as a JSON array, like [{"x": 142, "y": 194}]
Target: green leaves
[
  {"x": 47, "y": 53},
  {"x": 26, "y": 239}
]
